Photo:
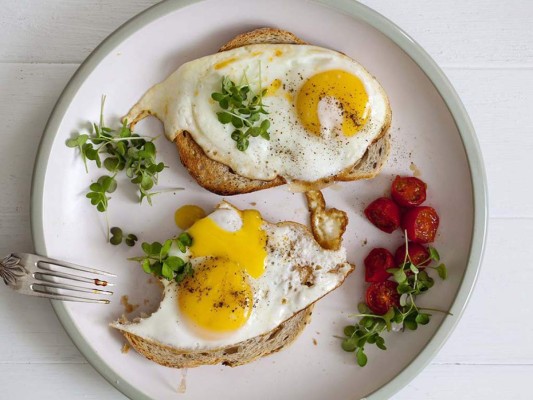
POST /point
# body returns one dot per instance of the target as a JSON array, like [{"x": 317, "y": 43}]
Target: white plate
[{"x": 430, "y": 131}]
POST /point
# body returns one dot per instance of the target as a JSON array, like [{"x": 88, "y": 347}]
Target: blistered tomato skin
[
  {"x": 421, "y": 224},
  {"x": 384, "y": 214},
  {"x": 377, "y": 262},
  {"x": 408, "y": 191},
  {"x": 418, "y": 254},
  {"x": 381, "y": 296}
]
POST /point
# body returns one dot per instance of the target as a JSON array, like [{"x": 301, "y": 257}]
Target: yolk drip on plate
[
  {"x": 218, "y": 296},
  {"x": 345, "y": 89},
  {"x": 187, "y": 215}
]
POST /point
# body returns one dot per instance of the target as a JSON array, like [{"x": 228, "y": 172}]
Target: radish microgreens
[
  {"x": 117, "y": 236},
  {"x": 118, "y": 150},
  {"x": 243, "y": 110},
  {"x": 413, "y": 280},
  {"x": 157, "y": 260}
]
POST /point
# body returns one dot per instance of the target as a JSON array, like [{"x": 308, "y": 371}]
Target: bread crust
[{"x": 234, "y": 355}]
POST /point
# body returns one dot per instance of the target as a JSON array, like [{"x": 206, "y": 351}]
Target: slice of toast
[{"x": 220, "y": 179}]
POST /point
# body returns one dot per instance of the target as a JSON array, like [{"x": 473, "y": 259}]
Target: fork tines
[
  {"x": 45, "y": 280},
  {"x": 49, "y": 286}
]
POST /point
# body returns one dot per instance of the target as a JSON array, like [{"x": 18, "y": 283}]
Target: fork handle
[{"x": 10, "y": 269}]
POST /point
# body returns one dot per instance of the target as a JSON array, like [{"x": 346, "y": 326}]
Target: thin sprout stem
[
  {"x": 366, "y": 315},
  {"x": 107, "y": 223},
  {"x": 133, "y": 138},
  {"x": 102, "y": 103},
  {"x": 411, "y": 297},
  {"x": 406, "y": 257},
  {"x": 436, "y": 310}
]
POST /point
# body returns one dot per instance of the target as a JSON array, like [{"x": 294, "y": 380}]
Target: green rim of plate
[{"x": 409, "y": 46}]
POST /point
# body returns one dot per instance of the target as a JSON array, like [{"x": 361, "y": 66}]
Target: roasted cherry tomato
[
  {"x": 381, "y": 296},
  {"x": 384, "y": 214},
  {"x": 421, "y": 224},
  {"x": 377, "y": 262},
  {"x": 408, "y": 191},
  {"x": 418, "y": 254}
]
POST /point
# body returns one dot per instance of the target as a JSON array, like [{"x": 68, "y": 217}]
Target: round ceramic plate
[{"x": 431, "y": 135}]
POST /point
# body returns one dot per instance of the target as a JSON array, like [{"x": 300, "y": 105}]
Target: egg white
[
  {"x": 278, "y": 293},
  {"x": 183, "y": 102}
]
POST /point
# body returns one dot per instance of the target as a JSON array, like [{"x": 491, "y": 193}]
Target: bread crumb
[
  {"x": 128, "y": 308},
  {"x": 125, "y": 348},
  {"x": 183, "y": 382},
  {"x": 253, "y": 203},
  {"x": 315, "y": 342},
  {"x": 364, "y": 242},
  {"x": 414, "y": 168}
]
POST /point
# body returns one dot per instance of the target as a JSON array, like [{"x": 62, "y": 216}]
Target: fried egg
[
  {"x": 249, "y": 277},
  {"x": 324, "y": 109}
]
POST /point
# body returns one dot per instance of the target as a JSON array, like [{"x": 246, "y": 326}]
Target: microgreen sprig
[
  {"x": 117, "y": 236},
  {"x": 98, "y": 195},
  {"x": 118, "y": 150},
  {"x": 243, "y": 110},
  {"x": 121, "y": 150},
  {"x": 159, "y": 262},
  {"x": 412, "y": 281}
]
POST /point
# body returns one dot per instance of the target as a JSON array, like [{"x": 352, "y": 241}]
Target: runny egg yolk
[
  {"x": 345, "y": 89},
  {"x": 245, "y": 247},
  {"x": 218, "y": 296}
]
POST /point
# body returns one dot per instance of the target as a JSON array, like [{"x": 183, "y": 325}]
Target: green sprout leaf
[
  {"x": 158, "y": 261},
  {"x": 131, "y": 239},
  {"x": 411, "y": 325},
  {"x": 434, "y": 254},
  {"x": 185, "y": 239},
  {"x": 380, "y": 342},
  {"x": 165, "y": 248},
  {"x": 361, "y": 357},
  {"x": 167, "y": 272},
  {"x": 422, "y": 319},
  {"x": 147, "y": 267},
  {"x": 349, "y": 344},
  {"x": 116, "y": 237},
  {"x": 349, "y": 330},
  {"x": 442, "y": 271},
  {"x": 363, "y": 308},
  {"x": 242, "y": 111}
]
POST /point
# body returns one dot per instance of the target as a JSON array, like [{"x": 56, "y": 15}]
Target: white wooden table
[{"x": 486, "y": 49}]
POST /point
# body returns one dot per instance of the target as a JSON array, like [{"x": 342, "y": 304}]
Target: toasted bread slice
[
  {"x": 220, "y": 179},
  {"x": 245, "y": 351}
]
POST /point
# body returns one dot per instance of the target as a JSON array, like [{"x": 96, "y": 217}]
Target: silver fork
[{"x": 35, "y": 275}]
